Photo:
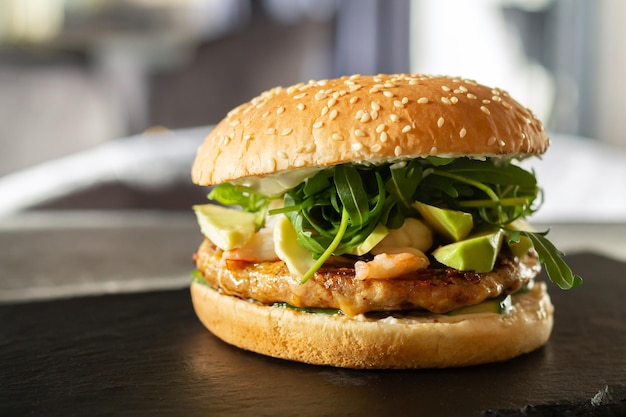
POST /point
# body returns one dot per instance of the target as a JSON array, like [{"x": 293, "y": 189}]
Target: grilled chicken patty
[{"x": 436, "y": 289}]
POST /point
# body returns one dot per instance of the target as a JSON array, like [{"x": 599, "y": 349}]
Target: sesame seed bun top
[{"x": 366, "y": 118}]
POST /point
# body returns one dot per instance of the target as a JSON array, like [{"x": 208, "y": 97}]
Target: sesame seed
[
  {"x": 440, "y": 122},
  {"x": 300, "y": 106},
  {"x": 471, "y": 96},
  {"x": 422, "y": 100},
  {"x": 506, "y": 105},
  {"x": 388, "y": 93},
  {"x": 365, "y": 117},
  {"x": 248, "y": 137},
  {"x": 501, "y": 143},
  {"x": 286, "y": 131},
  {"x": 485, "y": 110},
  {"x": 496, "y": 98},
  {"x": 398, "y": 103},
  {"x": 491, "y": 140},
  {"x": 462, "y": 133},
  {"x": 225, "y": 140},
  {"x": 336, "y": 136},
  {"x": 522, "y": 135},
  {"x": 406, "y": 129},
  {"x": 267, "y": 113},
  {"x": 463, "y": 89},
  {"x": 320, "y": 95},
  {"x": 454, "y": 99},
  {"x": 445, "y": 88},
  {"x": 394, "y": 117},
  {"x": 445, "y": 100},
  {"x": 383, "y": 136},
  {"x": 280, "y": 110},
  {"x": 282, "y": 155},
  {"x": 357, "y": 146},
  {"x": 310, "y": 147},
  {"x": 270, "y": 131},
  {"x": 486, "y": 101},
  {"x": 359, "y": 114},
  {"x": 359, "y": 132},
  {"x": 333, "y": 114},
  {"x": 317, "y": 125},
  {"x": 380, "y": 127},
  {"x": 376, "y": 147},
  {"x": 332, "y": 102},
  {"x": 355, "y": 87},
  {"x": 433, "y": 150},
  {"x": 405, "y": 100},
  {"x": 374, "y": 114},
  {"x": 375, "y": 106},
  {"x": 299, "y": 96},
  {"x": 397, "y": 151},
  {"x": 324, "y": 111},
  {"x": 354, "y": 100},
  {"x": 235, "y": 123}
]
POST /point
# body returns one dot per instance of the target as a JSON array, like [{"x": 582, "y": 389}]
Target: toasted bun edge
[{"x": 390, "y": 343}]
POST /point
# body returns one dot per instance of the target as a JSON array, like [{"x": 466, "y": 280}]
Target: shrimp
[
  {"x": 259, "y": 248},
  {"x": 391, "y": 264}
]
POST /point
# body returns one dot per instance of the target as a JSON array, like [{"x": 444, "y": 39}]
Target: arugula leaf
[
  {"x": 352, "y": 194},
  {"x": 330, "y": 249},
  {"x": 403, "y": 181},
  {"x": 556, "y": 268},
  {"x": 239, "y": 195},
  {"x": 248, "y": 199}
]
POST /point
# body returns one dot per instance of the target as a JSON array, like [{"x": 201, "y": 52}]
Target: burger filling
[{"x": 428, "y": 233}]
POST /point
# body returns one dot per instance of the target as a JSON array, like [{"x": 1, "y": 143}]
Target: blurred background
[{"x": 87, "y": 75}]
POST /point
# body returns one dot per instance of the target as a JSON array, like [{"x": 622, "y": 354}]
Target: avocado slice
[
  {"x": 521, "y": 248},
  {"x": 227, "y": 228},
  {"x": 476, "y": 253},
  {"x": 452, "y": 224},
  {"x": 374, "y": 238},
  {"x": 498, "y": 305}
]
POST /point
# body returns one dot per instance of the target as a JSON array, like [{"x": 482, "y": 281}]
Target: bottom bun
[{"x": 402, "y": 342}]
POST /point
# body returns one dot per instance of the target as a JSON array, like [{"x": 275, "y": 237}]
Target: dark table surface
[{"x": 147, "y": 354}]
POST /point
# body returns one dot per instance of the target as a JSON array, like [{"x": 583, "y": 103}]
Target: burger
[{"x": 375, "y": 222}]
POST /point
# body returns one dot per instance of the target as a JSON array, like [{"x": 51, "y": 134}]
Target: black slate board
[{"x": 147, "y": 354}]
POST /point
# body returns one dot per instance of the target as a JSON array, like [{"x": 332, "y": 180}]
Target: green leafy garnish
[
  {"x": 558, "y": 271},
  {"x": 245, "y": 197},
  {"x": 335, "y": 210},
  {"x": 331, "y": 311}
]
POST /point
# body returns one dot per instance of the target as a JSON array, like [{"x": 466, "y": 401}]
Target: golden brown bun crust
[
  {"x": 377, "y": 344},
  {"x": 366, "y": 118}
]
